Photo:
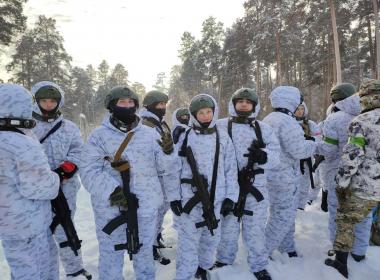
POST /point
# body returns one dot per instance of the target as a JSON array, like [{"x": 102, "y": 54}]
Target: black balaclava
[
  {"x": 160, "y": 113},
  {"x": 126, "y": 115}
]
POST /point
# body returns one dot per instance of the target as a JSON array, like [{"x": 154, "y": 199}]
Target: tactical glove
[
  {"x": 176, "y": 207},
  {"x": 117, "y": 198},
  {"x": 66, "y": 170},
  {"x": 227, "y": 207},
  {"x": 342, "y": 194},
  {"x": 166, "y": 143},
  {"x": 308, "y": 137}
]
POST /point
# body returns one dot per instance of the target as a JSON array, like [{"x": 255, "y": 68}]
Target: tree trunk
[
  {"x": 278, "y": 60},
  {"x": 336, "y": 43},
  {"x": 371, "y": 49},
  {"x": 376, "y": 11}
]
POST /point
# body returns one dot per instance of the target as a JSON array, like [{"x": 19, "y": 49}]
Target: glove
[
  {"x": 342, "y": 194},
  {"x": 227, "y": 207},
  {"x": 308, "y": 137},
  {"x": 257, "y": 155},
  {"x": 166, "y": 143},
  {"x": 66, "y": 170},
  {"x": 176, "y": 207},
  {"x": 117, "y": 198}
]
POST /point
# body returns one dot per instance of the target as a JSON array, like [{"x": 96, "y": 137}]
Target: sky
[{"x": 143, "y": 35}]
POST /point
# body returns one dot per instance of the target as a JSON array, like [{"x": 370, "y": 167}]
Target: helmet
[
  {"x": 342, "y": 91},
  {"x": 180, "y": 115},
  {"x": 120, "y": 92},
  {"x": 48, "y": 92},
  {"x": 245, "y": 93},
  {"x": 200, "y": 102},
  {"x": 153, "y": 97},
  {"x": 369, "y": 94}
]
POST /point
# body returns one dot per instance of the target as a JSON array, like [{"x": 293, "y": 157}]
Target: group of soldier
[{"x": 219, "y": 177}]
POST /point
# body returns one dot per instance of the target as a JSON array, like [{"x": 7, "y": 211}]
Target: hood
[
  {"x": 39, "y": 85},
  {"x": 175, "y": 122},
  {"x": 350, "y": 105},
  {"x": 306, "y": 110},
  {"x": 287, "y": 97},
  {"x": 232, "y": 111},
  {"x": 193, "y": 121},
  {"x": 15, "y": 102}
]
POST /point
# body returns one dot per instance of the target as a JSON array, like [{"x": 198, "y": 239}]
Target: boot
[
  {"x": 158, "y": 257},
  {"x": 160, "y": 240},
  {"x": 340, "y": 263},
  {"x": 83, "y": 272},
  {"x": 358, "y": 258},
  {"x": 219, "y": 264},
  {"x": 292, "y": 254},
  {"x": 201, "y": 273},
  {"x": 324, "y": 201},
  {"x": 262, "y": 275},
  {"x": 331, "y": 252}
]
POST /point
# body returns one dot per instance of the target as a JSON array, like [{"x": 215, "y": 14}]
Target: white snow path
[{"x": 311, "y": 239}]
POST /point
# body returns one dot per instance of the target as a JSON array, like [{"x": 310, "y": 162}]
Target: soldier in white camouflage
[
  {"x": 27, "y": 185},
  {"x": 358, "y": 176}
]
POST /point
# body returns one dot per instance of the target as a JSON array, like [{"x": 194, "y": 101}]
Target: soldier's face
[
  {"x": 244, "y": 105},
  {"x": 125, "y": 103},
  {"x": 300, "y": 111},
  {"x": 48, "y": 104},
  {"x": 205, "y": 115},
  {"x": 161, "y": 105}
]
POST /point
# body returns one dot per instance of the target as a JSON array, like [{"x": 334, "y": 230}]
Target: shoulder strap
[
  {"x": 229, "y": 127},
  {"x": 215, "y": 168},
  {"x": 259, "y": 135},
  {"x": 12, "y": 129},
  {"x": 116, "y": 163},
  {"x": 182, "y": 152},
  {"x": 51, "y": 131}
]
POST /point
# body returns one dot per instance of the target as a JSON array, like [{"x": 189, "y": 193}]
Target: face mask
[
  {"x": 126, "y": 115},
  {"x": 244, "y": 114},
  {"x": 205, "y": 124},
  {"x": 184, "y": 121},
  {"x": 160, "y": 113}
]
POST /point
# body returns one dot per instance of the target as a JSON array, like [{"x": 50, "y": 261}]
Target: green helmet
[
  {"x": 181, "y": 112},
  {"x": 342, "y": 91},
  {"x": 48, "y": 92},
  {"x": 200, "y": 102},
  {"x": 120, "y": 92},
  {"x": 245, "y": 93},
  {"x": 369, "y": 93},
  {"x": 153, "y": 97}
]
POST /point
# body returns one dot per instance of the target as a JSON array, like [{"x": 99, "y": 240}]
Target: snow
[{"x": 311, "y": 239}]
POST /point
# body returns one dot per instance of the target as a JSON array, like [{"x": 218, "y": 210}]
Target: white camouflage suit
[
  {"x": 253, "y": 227},
  {"x": 65, "y": 144},
  {"x": 147, "y": 161},
  {"x": 283, "y": 180},
  {"x": 26, "y": 187},
  {"x": 305, "y": 191},
  {"x": 144, "y": 113},
  {"x": 335, "y": 137},
  {"x": 196, "y": 246}
]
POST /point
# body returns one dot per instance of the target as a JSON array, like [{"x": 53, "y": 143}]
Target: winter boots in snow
[
  {"x": 219, "y": 264},
  {"x": 358, "y": 258},
  {"x": 292, "y": 254},
  {"x": 201, "y": 273},
  {"x": 81, "y": 272},
  {"x": 262, "y": 275},
  {"x": 324, "y": 201},
  {"x": 340, "y": 262},
  {"x": 157, "y": 256}
]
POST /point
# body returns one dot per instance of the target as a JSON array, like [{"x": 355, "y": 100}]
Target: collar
[
  {"x": 48, "y": 119},
  {"x": 123, "y": 127},
  {"x": 201, "y": 130},
  {"x": 242, "y": 120},
  {"x": 284, "y": 111}
]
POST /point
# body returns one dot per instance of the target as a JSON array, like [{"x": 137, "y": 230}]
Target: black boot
[
  {"x": 324, "y": 201},
  {"x": 262, "y": 275},
  {"x": 358, "y": 258},
  {"x": 160, "y": 240},
  {"x": 158, "y": 257},
  {"x": 83, "y": 272},
  {"x": 201, "y": 273},
  {"x": 292, "y": 254},
  {"x": 340, "y": 262},
  {"x": 218, "y": 264}
]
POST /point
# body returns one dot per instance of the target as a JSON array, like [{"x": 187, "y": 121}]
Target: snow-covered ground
[{"x": 311, "y": 237}]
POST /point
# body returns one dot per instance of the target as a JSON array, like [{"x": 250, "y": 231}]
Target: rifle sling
[{"x": 51, "y": 131}]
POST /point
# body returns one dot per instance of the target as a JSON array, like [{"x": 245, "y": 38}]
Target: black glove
[
  {"x": 176, "y": 207},
  {"x": 257, "y": 155},
  {"x": 227, "y": 207},
  {"x": 308, "y": 137},
  {"x": 117, "y": 198},
  {"x": 66, "y": 170}
]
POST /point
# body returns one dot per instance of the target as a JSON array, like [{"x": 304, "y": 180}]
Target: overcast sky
[{"x": 143, "y": 35}]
